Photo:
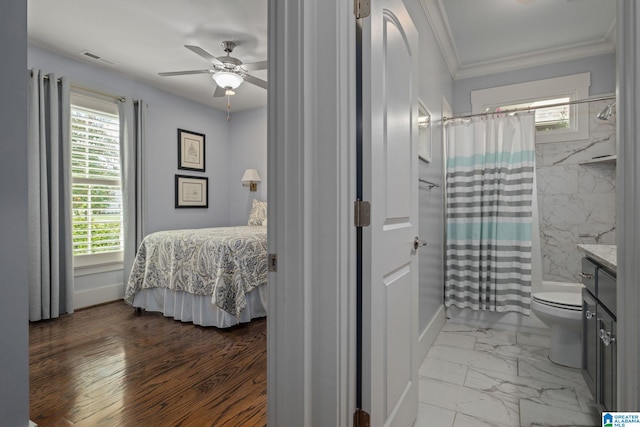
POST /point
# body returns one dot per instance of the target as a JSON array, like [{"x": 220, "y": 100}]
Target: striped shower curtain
[{"x": 490, "y": 182}]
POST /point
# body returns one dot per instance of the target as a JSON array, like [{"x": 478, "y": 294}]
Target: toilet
[{"x": 561, "y": 310}]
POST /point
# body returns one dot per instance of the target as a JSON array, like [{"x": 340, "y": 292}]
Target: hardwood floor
[{"x": 106, "y": 366}]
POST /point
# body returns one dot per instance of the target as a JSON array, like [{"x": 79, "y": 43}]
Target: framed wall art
[
  {"x": 192, "y": 191},
  {"x": 424, "y": 133},
  {"x": 190, "y": 150}
]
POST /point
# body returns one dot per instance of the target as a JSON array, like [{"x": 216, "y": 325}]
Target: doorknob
[{"x": 417, "y": 243}]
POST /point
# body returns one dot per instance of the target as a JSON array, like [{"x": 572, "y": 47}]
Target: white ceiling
[{"x": 145, "y": 37}]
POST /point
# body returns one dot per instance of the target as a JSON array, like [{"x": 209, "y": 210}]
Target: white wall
[
  {"x": 14, "y": 334},
  {"x": 247, "y": 150},
  {"x": 435, "y": 83}
]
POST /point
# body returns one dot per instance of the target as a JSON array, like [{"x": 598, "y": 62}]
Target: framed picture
[
  {"x": 192, "y": 192},
  {"x": 424, "y": 133},
  {"x": 190, "y": 150}
]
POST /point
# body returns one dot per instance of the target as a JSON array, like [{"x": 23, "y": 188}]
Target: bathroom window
[{"x": 553, "y": 124}]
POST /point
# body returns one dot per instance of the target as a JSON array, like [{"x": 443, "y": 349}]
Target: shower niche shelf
[{"x": 604, "y": 159}]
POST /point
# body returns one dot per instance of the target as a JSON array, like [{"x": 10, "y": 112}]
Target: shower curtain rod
[{"x": 516, "y": 110}]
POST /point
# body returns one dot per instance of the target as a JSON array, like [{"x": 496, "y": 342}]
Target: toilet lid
[{"x": 571, "y": 300}]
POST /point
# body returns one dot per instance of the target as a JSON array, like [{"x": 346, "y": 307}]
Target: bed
[{"x": 210, "y": 276}]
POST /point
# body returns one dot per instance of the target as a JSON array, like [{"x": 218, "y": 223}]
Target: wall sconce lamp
[{"x": 250, "y": 179}]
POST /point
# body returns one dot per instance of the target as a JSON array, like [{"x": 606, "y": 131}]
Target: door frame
[{"x": 311, "y": 189}]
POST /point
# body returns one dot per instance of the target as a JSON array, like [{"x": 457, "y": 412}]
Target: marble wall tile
[
  {"x": 597, "y": 178},
  {"x": 576, "y": 203},
  {"x": 562, "y": 179},
  {"x": 602, "y": 234}
]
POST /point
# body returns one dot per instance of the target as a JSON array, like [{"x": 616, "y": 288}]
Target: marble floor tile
[
  {"x": 473, "y": 358},
  {"x": 514, "y": 351},
  {"x": 482, "y": 334},
  {"x": 436, "y": 369},
  {"x": 550, "y": 372},
  {"x": 430, "y": 416},
  {"x": 474, "y": 403},
  {"x": 467, "y": 421},
  {"x": 515, "y": 388},
  {"x": 455, "y": 340},
  {"x": 537, "y": 415},
  {"x": 534, "y": 340}
]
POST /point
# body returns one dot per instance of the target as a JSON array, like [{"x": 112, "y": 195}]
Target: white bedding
[{"x": 213, "y": 271}]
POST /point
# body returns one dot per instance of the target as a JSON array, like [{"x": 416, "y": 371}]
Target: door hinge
[
  {"x": 360, "y": 418},
  {"x": 361, "y": 213},
  {"x": 273, "y": 262},
  {"x": 361, "y": 8}
]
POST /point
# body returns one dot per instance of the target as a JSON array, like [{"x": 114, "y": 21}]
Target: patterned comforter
[{"x": 225, "y": 263}]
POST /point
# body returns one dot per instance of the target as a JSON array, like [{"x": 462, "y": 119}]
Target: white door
[{"x": 390, "y": 184}]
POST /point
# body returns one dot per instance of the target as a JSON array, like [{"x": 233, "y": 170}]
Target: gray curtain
[
  {"x": 49, "y": 209},
  {"x": 132, "y": 134}
]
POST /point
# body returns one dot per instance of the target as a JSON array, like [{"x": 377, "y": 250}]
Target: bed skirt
[{"x": 198, "y": 309}]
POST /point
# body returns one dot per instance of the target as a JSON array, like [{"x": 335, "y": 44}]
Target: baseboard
[
  {"x": 428, "y": 336},
  {"x": 97, "y": 296}
]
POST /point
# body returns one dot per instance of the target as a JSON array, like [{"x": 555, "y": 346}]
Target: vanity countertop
[{"x": 604, "y": 254}]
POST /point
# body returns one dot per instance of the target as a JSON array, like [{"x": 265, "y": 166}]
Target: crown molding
[
  {"x": 534, "y": 59},
  {"x": 437, "y": 18}
]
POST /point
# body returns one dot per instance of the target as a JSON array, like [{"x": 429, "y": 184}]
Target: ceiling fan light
[
  {"x": 228, "y": 91},
  {"x": 226, "y": 79}
]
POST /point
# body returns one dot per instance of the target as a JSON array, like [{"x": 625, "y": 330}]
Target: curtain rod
[
  {"x": 97, "y": 92},
  {"x": 515, "y": 110}
]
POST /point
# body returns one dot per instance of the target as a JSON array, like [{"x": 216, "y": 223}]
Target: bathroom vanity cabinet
[{"x": 599, "y": 331}]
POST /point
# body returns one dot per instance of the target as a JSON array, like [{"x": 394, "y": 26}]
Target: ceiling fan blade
[
  {"x": 184, "y": 73},
  {"x": 219, "y": 92},
  {"x": 256, "y": 81},
  {"x": 203, "y": 53},
  {"x": 255, "y": 66}
]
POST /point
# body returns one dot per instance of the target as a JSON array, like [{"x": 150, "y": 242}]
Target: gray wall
[
  {"x": 231, "y": 147},
  {"x": 435, "y": 82},
  {"x": 602, "y": 68},
  {"x": 247, "y": 150},
  {"x": 14, "y": 335},
  {"x": 166, "y": 113}
]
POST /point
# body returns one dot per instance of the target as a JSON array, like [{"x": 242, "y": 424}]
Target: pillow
[{"x": 258, "y": 214}]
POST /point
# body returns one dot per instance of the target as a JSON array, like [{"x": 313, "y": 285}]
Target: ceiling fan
[{"x": 228, "y": 72}]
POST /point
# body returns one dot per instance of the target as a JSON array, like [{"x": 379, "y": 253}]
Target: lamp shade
[
  {"x": 251, "y": 175},
  {"x": 226, "y": 79}
]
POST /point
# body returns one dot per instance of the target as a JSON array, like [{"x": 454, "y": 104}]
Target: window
[
  {"x": 553, "y": 124},
  {"x": 95, "y": 182}
]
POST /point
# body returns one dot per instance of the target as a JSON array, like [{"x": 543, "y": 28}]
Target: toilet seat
[{"x": 564, "y": 300}]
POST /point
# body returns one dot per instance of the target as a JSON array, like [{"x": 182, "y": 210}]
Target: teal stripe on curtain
[
  {"x": 489, "y": 231},
  {"x": 491, "y": 158}
]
